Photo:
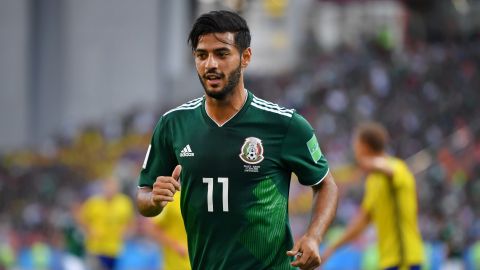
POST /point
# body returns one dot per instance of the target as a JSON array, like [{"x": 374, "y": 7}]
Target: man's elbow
[
  {"x": 146, "y": 211},
  {"x": 327, "y": 184},
  {"x": 328, "y": 190}
]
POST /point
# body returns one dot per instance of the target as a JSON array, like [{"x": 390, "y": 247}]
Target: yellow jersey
[
  {"x": 106, "y": 221},
  {"x": 171, "y": 223},
  {"x": 392, "y": 207}
]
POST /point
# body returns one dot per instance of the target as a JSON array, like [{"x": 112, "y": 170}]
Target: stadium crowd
[{"x": 426, "y": 95}]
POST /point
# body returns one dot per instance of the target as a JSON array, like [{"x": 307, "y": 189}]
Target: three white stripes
[
  {"x": 188, "y": 106},
  {"x": 256, "y": 102},
  {"x": 271, "y": 107}
]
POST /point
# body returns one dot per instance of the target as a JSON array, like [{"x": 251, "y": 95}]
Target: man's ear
[{"x": 246, "y": 56}]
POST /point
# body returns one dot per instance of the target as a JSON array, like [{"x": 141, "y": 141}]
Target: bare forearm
[
  {"x": 145, "y": 205},
  {"x": 324, "y": 207},
  {"x": 150, "y": 201},
  {"x": 165, "y": 240},
  {"x": 377, "y": 164},
  {"x": 358, "y": 225},
  {"x": 156, "y": 232}
]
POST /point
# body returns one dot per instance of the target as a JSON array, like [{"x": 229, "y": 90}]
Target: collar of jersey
[{"x": 234, "y": 117}]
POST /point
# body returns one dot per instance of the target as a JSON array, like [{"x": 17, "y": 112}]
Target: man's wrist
[{"x": 314, "y": 236}]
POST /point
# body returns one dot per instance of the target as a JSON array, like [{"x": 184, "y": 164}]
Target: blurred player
[
  {"x": 168, "y": 230},
  {"x": 105, "y": 219},
  {"x": 237, "y": 153},
  {"x": 390, "y": 202}
]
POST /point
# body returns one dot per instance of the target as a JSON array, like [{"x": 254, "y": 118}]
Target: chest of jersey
[
  {"x": 221, "y": 166},
  {"x": 240, "y": 151},
  {"x": 234, "y": 181}
]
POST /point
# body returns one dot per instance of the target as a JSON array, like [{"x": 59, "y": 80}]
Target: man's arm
[
  {"x": 377, "y": 164},
  {"x": 150, "y": 201},
  {"x": 356, "y": 227},
  {"x": 145, "y": 205},
  {"x": 158, "y": 233},
  {"x": 325, "y": 202},
  {"x": 325, "y": 199}
]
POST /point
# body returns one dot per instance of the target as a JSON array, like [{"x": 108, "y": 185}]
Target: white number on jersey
[{"x": 209, "y": 182}]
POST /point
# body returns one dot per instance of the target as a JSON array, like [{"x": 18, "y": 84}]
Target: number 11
[{"x": 209, "y": 182}]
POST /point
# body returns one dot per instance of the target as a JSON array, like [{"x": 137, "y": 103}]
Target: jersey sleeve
[
  {"x": 160, "y": 159},
  {"x": 301, "y": 152}
]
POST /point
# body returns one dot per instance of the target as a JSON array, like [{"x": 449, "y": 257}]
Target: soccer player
[
  {"x": 390, "y": 203},
  {"x": 168, "y": 230},
  {"x": 233, "y": 154},
  {"x": 106, "y": 218}
]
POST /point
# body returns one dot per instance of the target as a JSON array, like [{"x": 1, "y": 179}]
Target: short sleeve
[
  {"x": 302, "y": 154},
  {"x": 159, "y": 159}
]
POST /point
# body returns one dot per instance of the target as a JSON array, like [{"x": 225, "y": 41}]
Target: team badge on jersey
[{"x": 252, "y": 151}]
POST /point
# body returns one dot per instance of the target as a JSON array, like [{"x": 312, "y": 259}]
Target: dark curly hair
[{"x": 221, "y": 21}]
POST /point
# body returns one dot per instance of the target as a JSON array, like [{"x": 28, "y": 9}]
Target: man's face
[
  {"x": 110, "y": 187},
  {"x": 219, "y": 63},
  {"x": 360, "y": 150}
]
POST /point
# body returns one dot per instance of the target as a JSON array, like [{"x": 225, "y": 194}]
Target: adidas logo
[{"x": 187, "y": 152}]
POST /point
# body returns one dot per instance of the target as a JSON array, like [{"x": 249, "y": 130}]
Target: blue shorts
[
  {"x": 413, "y": 267},
  {"x": 107, "y": 263}
]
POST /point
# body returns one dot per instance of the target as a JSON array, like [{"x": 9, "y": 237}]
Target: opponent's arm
[
  {"x": 325, "y": 202},
  {"x": 358, "y": 225},
  {"x": 150, "y": 201},
  {"x": 158, "y": 233},
  {"x": 376, "y": 164}
]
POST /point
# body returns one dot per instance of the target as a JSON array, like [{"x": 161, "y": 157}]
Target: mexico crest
[{"x": 252, "y": 151}]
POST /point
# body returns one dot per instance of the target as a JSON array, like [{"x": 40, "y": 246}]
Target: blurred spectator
[{"x": 106, "y": 219}]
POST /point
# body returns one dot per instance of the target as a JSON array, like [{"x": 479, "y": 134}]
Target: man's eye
[{"x": 201, "y": 55}]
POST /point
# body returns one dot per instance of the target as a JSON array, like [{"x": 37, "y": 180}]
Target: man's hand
[
  {"x": 306, "y": 253},
  {"x": 165, "y": 187}
]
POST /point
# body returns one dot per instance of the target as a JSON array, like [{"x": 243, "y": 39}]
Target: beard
[{"x": 233, "y": 80}]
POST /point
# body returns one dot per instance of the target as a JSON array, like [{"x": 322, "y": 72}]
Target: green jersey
[{"x": 235, "y": 179}]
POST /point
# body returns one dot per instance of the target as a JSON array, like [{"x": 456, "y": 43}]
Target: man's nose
[{"x": 211, "y": 62}]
